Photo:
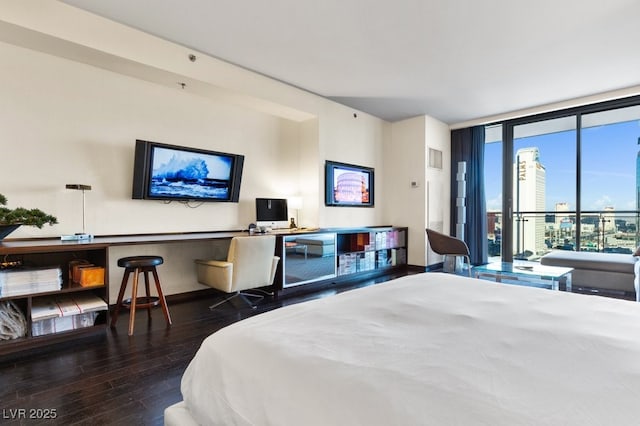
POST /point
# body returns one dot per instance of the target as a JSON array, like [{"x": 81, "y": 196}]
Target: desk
[{"x": 51, "y": 244}]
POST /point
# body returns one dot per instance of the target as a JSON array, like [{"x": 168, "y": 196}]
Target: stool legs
[
  {"x": 134, "y": 300},
  {"x": 148, "y": 293},
  {"x": 163, "y": 301},
  {"x": 134, "y": 296},
  {"x": 123, "y": 287}
]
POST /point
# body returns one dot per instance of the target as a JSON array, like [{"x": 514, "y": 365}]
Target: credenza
[{"x": 332, "y": 255}]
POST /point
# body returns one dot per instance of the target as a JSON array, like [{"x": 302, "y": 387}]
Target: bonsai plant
[{"x": 11, "y": 219}]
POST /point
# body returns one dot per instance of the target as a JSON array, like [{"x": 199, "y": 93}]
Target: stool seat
[
  {"x": 140, "y": 261},
  {"x": 137, "y": 265}
]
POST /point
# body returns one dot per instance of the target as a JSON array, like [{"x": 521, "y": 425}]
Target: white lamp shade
[{"x": 294, "y": 203}]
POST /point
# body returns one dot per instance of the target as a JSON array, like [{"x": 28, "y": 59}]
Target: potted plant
[{"x": 11, "y": 219}]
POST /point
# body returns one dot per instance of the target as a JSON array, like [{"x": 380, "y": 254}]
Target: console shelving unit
[
  {"x": 37, "y": 255},
  {"x": 351, "y": 252}
]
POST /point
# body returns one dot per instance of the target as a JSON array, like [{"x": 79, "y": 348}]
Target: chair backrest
[
  {"x": 446, "y": 245},
  {"x": 253, "y": 260}
]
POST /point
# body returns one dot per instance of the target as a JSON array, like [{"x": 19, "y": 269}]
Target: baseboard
[
  {"x": 191, "y": 295},
  {"x": 416, "y": 269},
  {"x": 436, "y": 267}
]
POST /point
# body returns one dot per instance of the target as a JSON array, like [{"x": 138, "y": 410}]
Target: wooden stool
[{"x": 138, "y": 265}]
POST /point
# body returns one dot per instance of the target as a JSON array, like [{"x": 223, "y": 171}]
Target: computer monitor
[{"x": 272, "y": 213}]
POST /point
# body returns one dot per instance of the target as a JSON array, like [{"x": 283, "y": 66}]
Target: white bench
[{"x": 607, "y": 271}]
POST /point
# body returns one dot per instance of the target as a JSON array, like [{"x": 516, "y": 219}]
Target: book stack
[
  {"x": 347, "y": 263},
  {"x": 383, "y": 259},
  {"x": 366, "y": 261},
  {"x": 390, "y": 239},
  {"x": 17, "y": 282},
  {"x": 58, "y": 313}
]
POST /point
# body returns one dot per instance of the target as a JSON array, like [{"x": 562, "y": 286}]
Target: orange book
[{"x": 91, "y": 276}]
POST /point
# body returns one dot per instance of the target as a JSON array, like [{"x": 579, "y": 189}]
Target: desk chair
[
  {"x": 446, "y": 245},
  {"x": 250, "y": 264}
]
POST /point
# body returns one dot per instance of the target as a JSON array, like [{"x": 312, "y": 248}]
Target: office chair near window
[
  {"x": 250, "y": 264},
  {"x": 446, "y": 245}
]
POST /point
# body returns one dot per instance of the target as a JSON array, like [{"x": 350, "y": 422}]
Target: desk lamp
[
  {"x": 295, "y": 203},
  {"x": 79, "y": 236}
]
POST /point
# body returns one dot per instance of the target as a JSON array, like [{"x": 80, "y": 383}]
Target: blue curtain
[{"x": 468, "y": 145}]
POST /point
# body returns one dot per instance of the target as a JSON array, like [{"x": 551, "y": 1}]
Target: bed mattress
[{"x": 428, "y": 349}]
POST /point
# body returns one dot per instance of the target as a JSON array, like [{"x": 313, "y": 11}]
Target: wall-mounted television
[
  {"x": 348, "y": 185},
  {"x": 272, "y": 212},
  {"x": 171, "y": 172}
]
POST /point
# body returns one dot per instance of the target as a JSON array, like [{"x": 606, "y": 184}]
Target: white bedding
[{"x": 427, "y": 349}]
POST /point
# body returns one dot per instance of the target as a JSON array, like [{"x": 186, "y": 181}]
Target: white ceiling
[{"x": 455, "y": 60}]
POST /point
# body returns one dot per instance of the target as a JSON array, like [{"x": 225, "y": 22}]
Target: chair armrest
[
  {"x": 215, "y": 273},
  {"x": 274, "y": 268},
  {"x": 215, "y": 263}
]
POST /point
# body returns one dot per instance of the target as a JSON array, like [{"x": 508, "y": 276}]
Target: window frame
[{"x": 507, "y": 160}]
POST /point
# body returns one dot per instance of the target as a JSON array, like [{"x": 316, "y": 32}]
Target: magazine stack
[
  {"x": 16, "y": 282},
  {"x": 55, "y": 314}
]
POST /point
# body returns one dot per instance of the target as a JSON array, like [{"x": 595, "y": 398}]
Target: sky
[{"x": 608, "y": 166}]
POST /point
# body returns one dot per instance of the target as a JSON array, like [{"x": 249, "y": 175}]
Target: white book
[
  {"x": 44, "y": 308},
  {"x": 89, "y": 302},
  {"x": 66, "y": 305}
]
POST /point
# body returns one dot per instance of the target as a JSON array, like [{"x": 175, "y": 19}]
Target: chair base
[
  {"x": 244, "y": 297},
  {"x": 466, "y": 260}
]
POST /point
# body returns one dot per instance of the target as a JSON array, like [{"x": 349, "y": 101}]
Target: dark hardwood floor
[{"x": 117, "y": 379}]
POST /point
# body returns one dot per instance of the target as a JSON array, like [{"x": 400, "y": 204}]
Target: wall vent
[{"x": 435, "y": 159}]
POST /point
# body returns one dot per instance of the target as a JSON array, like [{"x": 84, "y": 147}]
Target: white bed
[{"x": 427, "y": 349}]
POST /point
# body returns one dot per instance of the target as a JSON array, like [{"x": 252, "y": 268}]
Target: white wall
[
  {"x": 416, "y": 193},
  {"x": 67, "y": 117},
  {"x": 438, "y": 136},
  {"x": 406, "y": 164},
  {"x": 64, "y": 122},
  {"x": 310, "y": 177},
  {"x": 68, "y": 122},
  {"x": 358, "y": 140}
]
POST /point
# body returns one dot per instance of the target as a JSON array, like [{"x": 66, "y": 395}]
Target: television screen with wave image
[{"x": 170, "y": 172}]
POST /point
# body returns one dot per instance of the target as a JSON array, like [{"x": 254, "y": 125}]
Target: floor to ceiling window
[
  {"x": 571, "y": 181},
  {"x": 609, "y": 180},
  {"x": 544, "y": 182}
]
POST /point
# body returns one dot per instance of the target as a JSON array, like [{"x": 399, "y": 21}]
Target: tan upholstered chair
[
  {"x": 446, "y": 245},
  {"x": 250, "y": 264}
]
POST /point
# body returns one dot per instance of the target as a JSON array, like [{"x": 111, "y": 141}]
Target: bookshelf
[
  {"x": 368, "y": 251},
  {"x": 38, "y": 264}
]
